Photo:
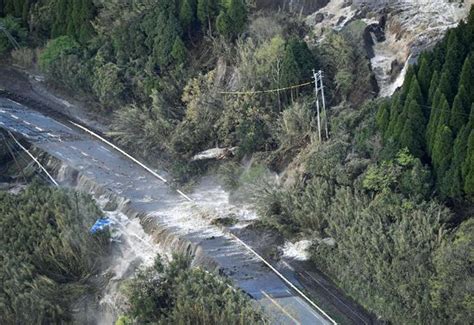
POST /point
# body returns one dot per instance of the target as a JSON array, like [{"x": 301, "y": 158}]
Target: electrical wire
[{"x": 266, "y": 91}]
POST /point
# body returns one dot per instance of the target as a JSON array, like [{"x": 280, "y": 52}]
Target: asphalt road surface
[{"x": 113, "y": 171}]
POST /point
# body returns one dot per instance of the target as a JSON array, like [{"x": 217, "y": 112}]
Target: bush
[
  {"x": 296, "y": 125},
  {"x": 178, "y": 294},
  {"x": 56, "y": 48},
  {"x": 24, "y": 57}
]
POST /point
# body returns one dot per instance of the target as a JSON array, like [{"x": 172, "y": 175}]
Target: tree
[
  {"x": 108, "y": 86},
  {"x": 383, "y": 117},
  {"x": 237, "y": 12},
  {"x": 467, "y": 77},
  {"x": 168, "y": 30},
  {"x": 55, "y": 49},
  {"x": 425, "y": 73},
  {"x": 452, "y": 66},
  {"x": 187, "y": 14},
  {"x": 468, "y": 168},
  {"x": 179, "y": 51},
  {"x": 460, "y": 111},
  {"x": 87, "y": 14},
  {"x": 206, "y": 11},
  {"x": 433, "y": 86},
  {"x": 412, "y": 134},
  {"x": 455, "y": 179},
  {"x": 224, "y": 25},
  {"x": 442, "y": 156}
]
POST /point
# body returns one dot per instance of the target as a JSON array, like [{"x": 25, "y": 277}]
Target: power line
[
  {"x": 14, "y": 157},
  {"x": 443, "y": 110},
  {"x": 250, "y": 92},
  {"x": 34, "y": 158},
  {"x": 288, "y": 282}
]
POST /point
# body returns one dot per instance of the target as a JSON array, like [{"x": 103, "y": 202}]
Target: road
[{"x": 165, "y": 208}]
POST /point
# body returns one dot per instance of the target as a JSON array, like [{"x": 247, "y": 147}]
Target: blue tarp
[{"x": 100, "y": 225}]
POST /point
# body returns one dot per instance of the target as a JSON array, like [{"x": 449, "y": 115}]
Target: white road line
[
  {"x": 84, "y": 154},
  {"x": 73, "y": 147},
  {"x": 14, "y": 116},
  {"x": 2, "y": 111},
  {"x": 288, "y": 282},
  {"x": 67, "y": 127},
  {"x": 280, "y": 307},
  {"x": 26, "y": 122},
  {"x": 122, "y": 152},
  {"x": 281, "y": 276},
  {"x": 104, "y": 148},
  {"x": 39, "y": 129},
  {"x": 10, "y": 100}
]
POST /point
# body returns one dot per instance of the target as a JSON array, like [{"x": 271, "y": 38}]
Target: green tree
[
  {"x": 179, "y": 51},
  {"x": 55, "y": 49},
  {"x": 383, "y": 117},
  {"x": 87, "y": 14},
  {"x": 433, "y": 86},
  {"x": 412, "y": 134},
  {"x": 467, "y": 77},
  {"x": 425, "y": 73},
  {"x": 468, "y": 168},
  {"x": 452, "y": 66},
  {"x": 206, "y": 11},
  {"x": 108, "y": 86},
  {"x": 224, "y": 25},
  {"x": 460, "y": 111},
  {"x": 237, "y": 11},
  {"x": 187, "y": 14},
  {"x": 442, "y": 156}
]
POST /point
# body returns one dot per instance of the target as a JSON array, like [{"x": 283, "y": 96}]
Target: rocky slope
[{"x": 397, "y": 30}]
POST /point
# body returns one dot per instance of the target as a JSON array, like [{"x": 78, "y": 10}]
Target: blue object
[{"x": 100, "y": 225}]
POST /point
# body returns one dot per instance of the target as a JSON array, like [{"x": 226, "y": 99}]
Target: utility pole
[
  {"x": 316, "y": 89},
  {"x": 318, "y": 86},
  {"x": 324, "y": 105}
]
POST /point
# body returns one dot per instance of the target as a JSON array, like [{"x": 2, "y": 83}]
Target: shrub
[{"x": 56, "y": 48}]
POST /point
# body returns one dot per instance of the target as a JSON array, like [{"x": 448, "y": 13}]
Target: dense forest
[
  {"x": 432, "y": 115},
  {"x": 387, "y": 199},
  {"x": 48, "y": 258}
]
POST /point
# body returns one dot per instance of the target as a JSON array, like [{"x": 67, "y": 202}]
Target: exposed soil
[{"x": 31, "y": 86}]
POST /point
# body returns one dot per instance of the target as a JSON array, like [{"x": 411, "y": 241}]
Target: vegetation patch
[
  {"x": 48, "y": 258},
  {"x": 179, "y": 294}
]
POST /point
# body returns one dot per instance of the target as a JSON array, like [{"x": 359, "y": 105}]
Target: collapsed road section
[{"x": 170, "y": 218}]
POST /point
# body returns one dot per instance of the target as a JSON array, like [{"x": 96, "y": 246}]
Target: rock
[
  {"x": 215, "y": 153},
  {"x": 395, "y": 69},
  {"x": 319, "y": 17}
]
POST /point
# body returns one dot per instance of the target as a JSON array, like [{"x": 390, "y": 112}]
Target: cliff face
[{"x": 397, "y": 30}]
